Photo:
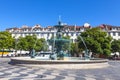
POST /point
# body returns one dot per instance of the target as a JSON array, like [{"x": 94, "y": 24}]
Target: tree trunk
[
  {"x": 15, "y": 53},
  {"x": 2, "y": 53},
  {"x": 77, "y": 54},
  {"x": 102, "y": 56},
  {"x": 20, "y": 52}
]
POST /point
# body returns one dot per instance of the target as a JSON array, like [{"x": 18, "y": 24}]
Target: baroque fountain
[{"x": 58, "y": 58}]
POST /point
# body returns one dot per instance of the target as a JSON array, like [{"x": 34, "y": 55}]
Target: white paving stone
[
  {"x": 5, "y": 78},
  {"x": 73, "y": 75},
  {"x": 1, "y": 73},
  {"x": 31, "y": 75},
  {"x": 50, "y": 77},
  {"x": 23, "y": 72},
  {"x": 55, "y": 73},
  {"x": 15, "y": 74},
  {"x": 88, "y": 78},
  {"x": 90, "y": 75},
  {"x": 28, "y": 79}
]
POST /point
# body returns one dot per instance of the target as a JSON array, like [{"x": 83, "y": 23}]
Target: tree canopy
[
  {"x": 115, "y": 45},
  {"x": 6, "y": 41},
  {"x": 97, "y": 41},
  {"x": 31, "y": 42},
  {"x": 75, "y": 50}
]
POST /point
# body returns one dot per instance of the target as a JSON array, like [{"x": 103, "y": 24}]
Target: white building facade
[
  {"x": 48, "y": 32},
  {"x": 72, "y": 31},
  {"x": 113, "y": 31}
]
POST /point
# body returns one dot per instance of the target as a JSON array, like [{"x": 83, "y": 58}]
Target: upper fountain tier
[{"x": 59, "y": 27}]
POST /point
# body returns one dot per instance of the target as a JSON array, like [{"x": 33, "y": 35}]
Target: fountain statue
[
  {"x": 58, "y": 42},
  {"x": 32, "y": 55}
]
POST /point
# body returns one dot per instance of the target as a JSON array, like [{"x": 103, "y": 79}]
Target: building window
[
  {"x": 114, "y": 34},
  {"x": 42, "y": 34},
  {"x": 67, "y": 34},
  {"x": 71, "y": 34},
  {"x": 28, "y": 33},
  {"x": 77, "y": 34},
  {"x": 37, "y": 34},
  {"x": 48, "y": 34},
  {"x": 118, "y": 33},
  {"x": 52, "y": 34},
  {"x": 113, "y": 28},
  {"x": 24, "y": 30},
  {"x": 63, "y": 34},
  {"x": 72, "y": 40},
  {"x": 21, "y": 35},
  {"x": 108, "y": 33}
]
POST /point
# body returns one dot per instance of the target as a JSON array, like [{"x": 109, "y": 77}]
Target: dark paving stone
[
  {"x": 63, "y": 74},
  {"x": 6, "y": 74},
  {"x": 79, "y": 78},
  {"x": 18, "y": 71},
  {"x": 31, "y": 72},
  {"x": 99, "y": 78},
  {"x": 2, "y": 77},
  {"x": 35, "y": 70},
  {"x": 47, "y": 73},
  {"x": 40, "y": 76},
  {"x": 23, "y": 75},
  {"x": 16, "y": 79},
  {"x": 80, "y": 74},
  {"x": 59, "y": 78}
]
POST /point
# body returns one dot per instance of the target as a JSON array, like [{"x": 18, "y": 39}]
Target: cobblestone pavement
[{"x": 14, "y": 72}]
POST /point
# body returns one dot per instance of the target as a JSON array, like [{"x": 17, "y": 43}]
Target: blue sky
[{"x": 15, "y": 13}]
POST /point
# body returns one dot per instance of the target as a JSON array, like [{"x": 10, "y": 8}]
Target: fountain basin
[{"x": 60, "y": 64}]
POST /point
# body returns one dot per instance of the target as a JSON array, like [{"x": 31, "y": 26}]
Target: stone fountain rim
[
  {"x": 20, "y": 60},
  {"x": 60, "y": 64}
]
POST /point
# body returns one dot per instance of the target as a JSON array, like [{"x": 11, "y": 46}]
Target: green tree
[
  {"x": 66, "y": 45},
  {"x": 75, "y": 50},
  {"x": 31, "y": 42},
  {"x": 21, "y": 44},
  {"x": 97, "y": 41},
  {"x": 6, "y": 41},
  {"x": 41, "y": 45},
  {"x": 115, "y": 45}
]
